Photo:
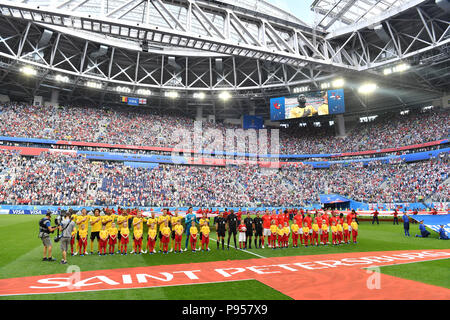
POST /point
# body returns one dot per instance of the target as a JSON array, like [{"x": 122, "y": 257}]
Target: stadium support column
[
  {"x": 251, "y": 108},
  {"x": 54, "y": 100},
  {"x": 340, "y": 125},
  {"x": 199, "y": 116}
]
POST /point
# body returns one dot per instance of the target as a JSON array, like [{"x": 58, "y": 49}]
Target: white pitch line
[
  {"x": 407, "y": 262},
  {"x": 255, "y": 254}
]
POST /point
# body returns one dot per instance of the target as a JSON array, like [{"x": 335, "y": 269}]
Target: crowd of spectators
[
  {"x": 61, "y": 179},
  {"x": 146, "y": 128}
]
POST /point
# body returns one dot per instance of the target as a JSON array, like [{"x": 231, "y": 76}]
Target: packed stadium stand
[
  {"x": 70, "y": 179},
  {"x": 142, "y": 128}
]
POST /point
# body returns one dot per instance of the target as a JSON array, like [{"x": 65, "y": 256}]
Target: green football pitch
[{"x": 21, "y": 255}]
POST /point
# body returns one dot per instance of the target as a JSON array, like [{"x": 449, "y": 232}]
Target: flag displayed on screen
[
  {"x": 336, "y": 102},
  {"x": 133, "y": 101},
  {"x": 277, "y": 109}
]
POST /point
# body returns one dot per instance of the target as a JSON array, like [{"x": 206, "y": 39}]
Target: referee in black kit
[
  {"x": 248, "y": 221},
  {"x": 220, "y": 228},
  {"x": 258, "y": 223},
  {"x": 232, "y": 223}
]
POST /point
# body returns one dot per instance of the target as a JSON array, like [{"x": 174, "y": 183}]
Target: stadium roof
[
  {"x": 252, "y": 48},
  {"x": 335, "y": 13}
]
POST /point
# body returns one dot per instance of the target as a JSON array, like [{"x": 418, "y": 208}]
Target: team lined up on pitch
[{"x": 113, "y": 229}]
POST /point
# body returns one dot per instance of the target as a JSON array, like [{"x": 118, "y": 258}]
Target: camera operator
[
  {"x": 45, "y": 229},
  {"x": 66, "y": 227}
]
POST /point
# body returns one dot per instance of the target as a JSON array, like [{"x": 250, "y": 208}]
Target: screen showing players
[{"x": 308, "y": 104}]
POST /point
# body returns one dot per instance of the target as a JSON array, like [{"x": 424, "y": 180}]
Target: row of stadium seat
[{"x": 59, "y": 179}]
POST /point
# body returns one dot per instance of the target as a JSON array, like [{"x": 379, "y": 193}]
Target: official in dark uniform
[
  {"x": 258, "y": 223},
  {"x": 405, "y": 219},
  {"x": 220, "y": 228},
  {"x": 232, "y": 224},
  {"x": 248, "y": 221}
]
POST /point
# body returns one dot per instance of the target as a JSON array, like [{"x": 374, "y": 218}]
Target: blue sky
[{"x": 299, "y": 8}]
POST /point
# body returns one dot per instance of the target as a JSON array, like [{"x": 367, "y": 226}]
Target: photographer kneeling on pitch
[
  {"x": 45, "y": 229},
  {"x": 66, "y": 227}
]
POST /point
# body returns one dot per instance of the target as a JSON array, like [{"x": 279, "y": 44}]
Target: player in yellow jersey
[
  {"x": 324, "y": 235},
  {"x": 104, "y": 235},
  {"x": 165, "y": 231},
  {"x": 82, "y": 219},
  {"x": 273, "y": 235},
  {"x": 125, "y": 233},
  {"x": 138, "y": 222},
  {"x": 286, "y": 233},
  {"x": 202, "y": 220},
  {"x": 173, "y": 221},
  {"x": 178, "y": 236},
  {"x": 205, "y": 230},
  {"x": 345, "y": 226},
  {"x": 108, "y": 218},
  {"x": 305, "y": 230},
  {"x": 96, "y": 226},
  {"x": 193, "y": 237},
  {"x": 161, "y": 221},
  {"x": 354, "y": 226},
  {"x": 334, "y": 233},
  {"x": 340, "y": 232},
  {"x": 302, "y": 110},
  {"x": 137, "y": 238},
  {"x": 82, "y": 242},
  {"x": 295, "y": 234},
  {"x": 112, "y": 237},
  {"x": 315, "y": 233},
  {"x": 121, "y": 219},
  {"x": 280, "y": 234},
  {"x": 151, "y": 238}
]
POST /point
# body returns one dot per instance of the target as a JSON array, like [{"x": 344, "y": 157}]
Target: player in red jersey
[
  {"x": 350, "y": 217},
  {"x": 239, "y": 214},
  {"x": 266, "y": 228},
  {"x": 280, "y": 219},
  {"x": 326, "y": 218},
  {"x": 298, "y": 218},
  {"x": 308, "y": 221}
]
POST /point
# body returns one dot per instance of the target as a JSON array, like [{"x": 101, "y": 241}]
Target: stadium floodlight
[
  {"x": 325, "y": 85},
  {"x": 171, "y": 94},
  {"x": 199, "y": 95},
  {"x": 367, "y": 88},
  {"x": 387, "y": 71},
  {"x": 144, "y": 92},
  {"x": 61, "y": 78},
  {"x": 300, "y": 89},
  {"x": 28, "y": 70},
  {"x": 224, "y": 95},
  {"x": 94, "y": 84},
  {"x": 401, "y": 67},
  {"x": 338, "y": 83},
  {"x": 123, "y": 89}
]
